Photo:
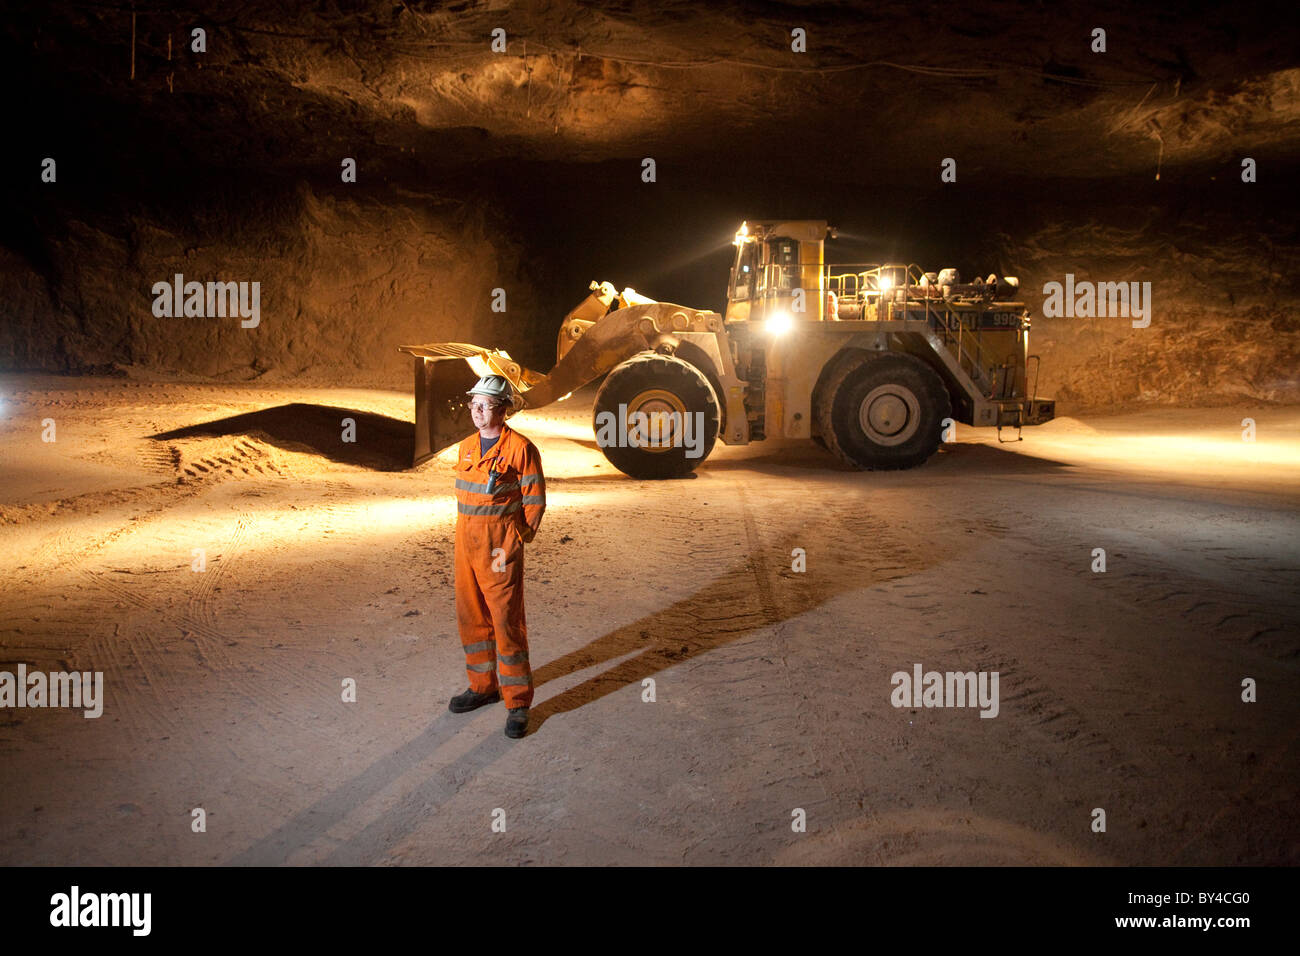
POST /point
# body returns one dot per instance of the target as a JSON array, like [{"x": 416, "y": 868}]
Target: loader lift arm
[{"x": 594, "y": 338}]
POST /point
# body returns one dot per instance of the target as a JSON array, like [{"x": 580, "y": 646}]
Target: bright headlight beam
[{"x": 778, "y": 323}]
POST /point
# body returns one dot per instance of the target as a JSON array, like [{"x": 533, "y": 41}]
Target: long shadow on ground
[{"x": 382, "y": 443}]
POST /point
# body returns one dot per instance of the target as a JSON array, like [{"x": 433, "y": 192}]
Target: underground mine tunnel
[{"x": 634, "y": 433}]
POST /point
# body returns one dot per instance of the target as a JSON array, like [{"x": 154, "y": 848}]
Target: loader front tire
[
  {"x": 885, "y": 412},
  {"x": 668, "y": 420}
]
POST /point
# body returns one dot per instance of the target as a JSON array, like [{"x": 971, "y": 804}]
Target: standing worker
[{"x": 500, "y": 498}]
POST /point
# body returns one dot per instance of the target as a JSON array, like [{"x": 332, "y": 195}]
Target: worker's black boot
[
  {"x": 517, "y": 722},
  {"x": 464, "y": 703}
]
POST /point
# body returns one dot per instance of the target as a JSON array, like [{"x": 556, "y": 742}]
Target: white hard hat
[{"x": 494, "y": 386}]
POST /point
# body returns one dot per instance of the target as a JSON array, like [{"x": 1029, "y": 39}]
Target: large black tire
[
  {"x": 652, "y": 383},
  {"x": 885, "y": 412}
]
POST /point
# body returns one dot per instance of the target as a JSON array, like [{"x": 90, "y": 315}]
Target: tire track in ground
[
  {"x": 896, "y": 569},
  {"x": 1185, "y": 589},
  {"x": 63, "y": 550},
  {"x": 1129, "y": 772},
  {"x": 853, "y": 546},
  {"x": 199, "y": 605},
  {"x": 149, "y": 710},
  {"x": 1264, "y": 623},
  {"x": 1260, "y": 614},
  {"x": 674, "y": 638},
  {"x": 755, "y": 599},
  {"x": 163, "y": 458},
  {"x": 209, "y": 459},
  {"x": 210, "y": 644},
  {"x": 1026, "y": 694},
  {"x": 770, "y": 604}
]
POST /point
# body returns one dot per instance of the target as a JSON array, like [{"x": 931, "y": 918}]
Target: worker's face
[{"x": 485, "y": 412}]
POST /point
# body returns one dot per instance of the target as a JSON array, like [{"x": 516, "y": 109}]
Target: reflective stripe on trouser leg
[
  {"x": 473, "y": 616},
  {"x": 504, "y": 593}
]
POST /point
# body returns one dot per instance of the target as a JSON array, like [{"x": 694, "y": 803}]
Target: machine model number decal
[{"x": 990, "y": 320}]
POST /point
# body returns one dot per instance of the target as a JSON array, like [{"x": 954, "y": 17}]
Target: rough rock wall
[
  {"x": 343, "y": 282},
  {"x": 1225, "y": 317}
]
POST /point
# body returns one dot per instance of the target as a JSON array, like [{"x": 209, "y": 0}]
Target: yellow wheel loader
[{"x": 874, "y": 362}]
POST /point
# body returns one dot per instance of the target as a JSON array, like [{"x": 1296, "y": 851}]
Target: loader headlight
[
  {"x": 885, "y": 283},
  {"x": 779, "y": 323}
]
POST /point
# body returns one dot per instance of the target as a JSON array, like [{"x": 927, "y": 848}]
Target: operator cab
[{"x": 777, "y": 271}]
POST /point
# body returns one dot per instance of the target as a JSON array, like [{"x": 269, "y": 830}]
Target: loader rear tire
[
  {"x": 884, "y": 412},
  {"x": 651, "y": 383}
]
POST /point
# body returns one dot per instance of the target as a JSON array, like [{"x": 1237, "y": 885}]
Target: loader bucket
[
  {"x": 441, "y": 408},
  {"x": 443, "y": 374}
]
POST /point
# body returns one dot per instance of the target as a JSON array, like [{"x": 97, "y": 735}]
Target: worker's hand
[{"x": 529, "y": 534}]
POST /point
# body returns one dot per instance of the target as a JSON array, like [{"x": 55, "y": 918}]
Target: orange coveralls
[{"x": 490, "y": 586}]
